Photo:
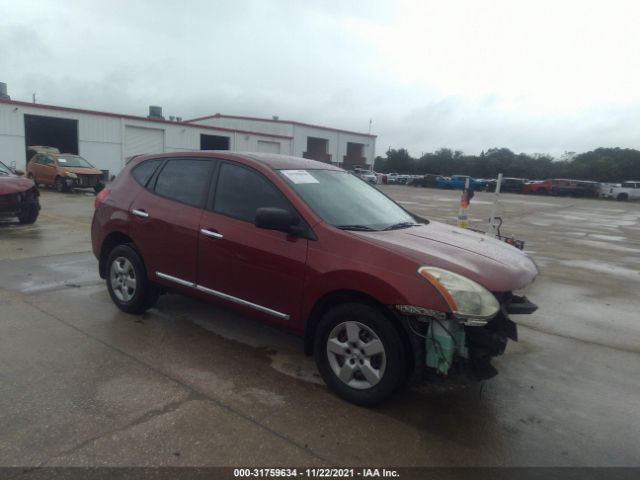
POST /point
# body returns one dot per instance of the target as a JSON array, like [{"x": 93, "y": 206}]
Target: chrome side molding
[{"x": 224, "y": 296}]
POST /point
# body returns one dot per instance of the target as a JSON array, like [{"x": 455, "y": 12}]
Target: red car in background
[
  {"x": 538, "y": 186},
  {"x": 562, "y": 187},
  {"x": 19, "y": 196},
  {"x": 379, "y": 294}
]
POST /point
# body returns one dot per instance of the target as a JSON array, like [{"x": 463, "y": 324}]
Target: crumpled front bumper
[
  {"x": 13, "y": 204},
  {"x": 481, "y": 343}
]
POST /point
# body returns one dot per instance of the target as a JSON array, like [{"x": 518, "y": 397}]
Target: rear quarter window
[
  {"x": 185, "y": 181},
  {"x": 145, "y": 170}
]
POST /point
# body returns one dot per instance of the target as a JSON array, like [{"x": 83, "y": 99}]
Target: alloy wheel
[
  {"x": 356, "y": 355},
  {"x": 122, "y": 277}
]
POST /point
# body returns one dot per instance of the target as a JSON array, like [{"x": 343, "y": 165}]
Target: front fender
[{"x": 386, "y": 288}]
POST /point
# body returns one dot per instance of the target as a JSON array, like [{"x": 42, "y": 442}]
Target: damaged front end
[
  {"x": 16, "y": 204},
  {"x": 451, "y": 349}
]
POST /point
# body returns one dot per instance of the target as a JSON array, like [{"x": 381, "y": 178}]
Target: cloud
[{"x": 532, "y": 76}]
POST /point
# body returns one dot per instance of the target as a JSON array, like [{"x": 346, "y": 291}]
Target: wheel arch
[
  {"x": 110, "y": 242},
  {"x": 338, "y": 297}
]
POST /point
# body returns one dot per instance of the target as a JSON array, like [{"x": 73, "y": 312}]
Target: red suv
[{"x": 380, "y": 295}]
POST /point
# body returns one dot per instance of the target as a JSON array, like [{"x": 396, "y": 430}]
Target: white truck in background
[{"x": 629, "y": 190}]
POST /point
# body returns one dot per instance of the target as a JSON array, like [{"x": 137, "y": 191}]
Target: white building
[{"x": 107, "y": 139}]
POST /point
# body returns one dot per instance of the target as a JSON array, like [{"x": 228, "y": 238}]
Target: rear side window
[
  {"x": 185, "y": 181},
  {"x": 241, "y": 191},
  {"x": 143, "y": 172}
]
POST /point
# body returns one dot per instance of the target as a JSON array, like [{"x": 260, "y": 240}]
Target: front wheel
[
  {"x": 29, "y": 214},
  {"x": 60, "y": 184},
  {"x": 622, "y": 197},
  {"x": 359, "y": 354},
  {"x": 127, "y": 281}
]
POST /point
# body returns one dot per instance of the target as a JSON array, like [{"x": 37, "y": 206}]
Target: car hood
[
  {"x": 496, "y": 265},
  {"x": 82, "y": 171},
  {"x": 13, "y": 184}
]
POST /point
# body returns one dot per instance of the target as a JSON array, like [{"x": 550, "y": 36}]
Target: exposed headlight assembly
[
  {"x": 466, "y": 299},
  {"x": 71, "y": 175}
]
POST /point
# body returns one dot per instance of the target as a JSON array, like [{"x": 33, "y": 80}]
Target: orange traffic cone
[{"x": 463, "y": 217}]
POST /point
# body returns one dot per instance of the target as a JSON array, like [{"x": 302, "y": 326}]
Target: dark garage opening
[
  {"x": 213, "y": 142},
  {"x": 354, "y": 157},
  {"x": 61, "y": 133},
  {"x": 317, "y": 149}
]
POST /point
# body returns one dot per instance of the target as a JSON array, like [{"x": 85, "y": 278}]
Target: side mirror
[
  {"x": 277, "y": 219},
  {"x": 20, "y": 173}
]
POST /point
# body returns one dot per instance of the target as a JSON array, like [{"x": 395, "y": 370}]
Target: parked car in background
[
  {"x": 366, "y": 175},
  {"x": 428, "y": 180},
  {"x": 574, "y": 188},
  {"x": 380, "y": 295},
  {"x": 35, "y": 149},
  {"x": 605, "y": 189},
  {"x": 508, "y": 185},
  {"x": 392, "y": 178},
  {"x": 403, "y": 179},
  {"x": 18, "y": 195},
  {"x": 629, "y": 190},
  {"x": 64, "y": 172},
  {"x": 562, "y": 187},
  {"x": 458, "y": 182},
  {"x": 537, "y": 186}
]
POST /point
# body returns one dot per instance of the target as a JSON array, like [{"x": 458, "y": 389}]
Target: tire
[
  {"x": 60, "y": 185},
  {"x": 127, "y": 282},
  {"x": 343, "y": 337},
  {"x": 622, "y": 197},
  {"x": 30, "y": 214}
]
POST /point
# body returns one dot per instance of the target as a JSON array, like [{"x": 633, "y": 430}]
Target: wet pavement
[{"x": 82, "y": 383}]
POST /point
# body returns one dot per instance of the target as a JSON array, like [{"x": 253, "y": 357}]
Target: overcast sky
[{"x": 532, "y": 76}]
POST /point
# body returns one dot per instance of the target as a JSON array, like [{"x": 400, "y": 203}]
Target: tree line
[{"x": 601, "y": 164}]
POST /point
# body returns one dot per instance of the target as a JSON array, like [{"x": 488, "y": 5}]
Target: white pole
[{"x": 495, "y": 210}]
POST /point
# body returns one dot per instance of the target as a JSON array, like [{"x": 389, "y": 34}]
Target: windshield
[
  {"x": 4, "y": 170},
  {"x": 346, "y": 201},
  {"x": 73, "y": 161}
]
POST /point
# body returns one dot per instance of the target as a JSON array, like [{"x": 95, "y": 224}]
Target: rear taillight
[{"x": 104, "y": 193}]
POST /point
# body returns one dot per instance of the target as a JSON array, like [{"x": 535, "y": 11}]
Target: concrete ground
[{"x": 190, "y": 384}]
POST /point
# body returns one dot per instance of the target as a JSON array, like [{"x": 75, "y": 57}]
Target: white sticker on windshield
[
  {"x": 299, "y": 176},
  {"x": 62, "y": 160}
]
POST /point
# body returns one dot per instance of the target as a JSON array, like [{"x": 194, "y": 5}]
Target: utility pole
[{"x": 34, "y": 97}]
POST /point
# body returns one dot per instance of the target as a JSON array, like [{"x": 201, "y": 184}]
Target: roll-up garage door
[
  {"x": 139, "y": 140},
  {"x": 268, "y": 147}
]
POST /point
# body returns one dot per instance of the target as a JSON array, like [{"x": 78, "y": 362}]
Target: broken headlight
[{"x": 466, "y": 298}]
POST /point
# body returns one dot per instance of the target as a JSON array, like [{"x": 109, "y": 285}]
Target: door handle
[
  {"x": 140, "y": 213},
  {"x": 211, "y": 233}
]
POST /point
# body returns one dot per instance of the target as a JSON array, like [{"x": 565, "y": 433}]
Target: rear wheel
[
  {"x": 359, "y": 354},
  {"x": 60, "y": 184},
  {"x": 622, "y": 197},
  {"x": 127, "y": 281}
]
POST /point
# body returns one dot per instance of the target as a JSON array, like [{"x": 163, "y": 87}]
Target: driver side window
[{"x": 241, "y": 191}]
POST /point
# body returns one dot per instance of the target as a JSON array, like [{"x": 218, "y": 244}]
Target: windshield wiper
[
  {"x": 358, "y": 228},
  {"x": 397, "y": 226}
]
